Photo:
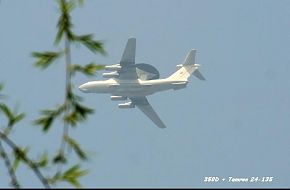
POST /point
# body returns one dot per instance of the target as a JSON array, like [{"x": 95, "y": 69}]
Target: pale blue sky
[{"x": 236, "y": 123}]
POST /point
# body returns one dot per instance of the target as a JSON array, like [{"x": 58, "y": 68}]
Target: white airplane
[{"x": 126, "y": 83}]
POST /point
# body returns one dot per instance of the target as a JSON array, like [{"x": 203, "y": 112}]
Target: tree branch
[
  {"x": 67, "y": 97},
  {"x": 29, "y": 162},
  {"x": 14, "y": 181}
]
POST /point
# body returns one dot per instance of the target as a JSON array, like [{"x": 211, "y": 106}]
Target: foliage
[
  {"x": 71, "y": 176},
  {"x": 44, "y": 59},
  {"x": 89, "y": 69},
  {"x": 71, "y": 112},
  {"x": 13, "y": 118},
  {"x": 76, "y": 147},
  {"x": 93, "y": 45},
  {"x": 48, "y": 117},
  {"x": 19, "y": 153}
]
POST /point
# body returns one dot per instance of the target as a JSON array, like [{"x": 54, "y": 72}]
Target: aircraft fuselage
[{"x": 131, "y": 88}]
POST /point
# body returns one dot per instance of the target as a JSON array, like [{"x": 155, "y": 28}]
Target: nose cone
[{"x": 83, "y": 87}]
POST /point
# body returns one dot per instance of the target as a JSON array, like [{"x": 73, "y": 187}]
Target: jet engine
[
  {"x": 144, "y": 71},
  {"x": 126, "y": 105},
  {"x": 117, "y": 98},
  {"x": 115, "y": 67},
  {"x": 114, "y": 74}
]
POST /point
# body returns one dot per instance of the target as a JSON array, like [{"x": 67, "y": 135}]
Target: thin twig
[
  {"x": 67, "y": 100},
  {"x": 14, "y": 181},
  {"x": 29, "y": 162}
]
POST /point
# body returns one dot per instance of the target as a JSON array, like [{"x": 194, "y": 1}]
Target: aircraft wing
[
  {"x": 127, "y": 63},
  {"x": 143, "y": 104}
]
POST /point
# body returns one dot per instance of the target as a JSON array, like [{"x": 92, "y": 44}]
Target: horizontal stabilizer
[{"x": 198, "y": 75}]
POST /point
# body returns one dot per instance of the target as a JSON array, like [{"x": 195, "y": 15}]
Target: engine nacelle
[
  {"x": 114, "y": 74},
  {"x": 179, "y": 66},
  {"x": 117, "y": 98},
  {"x": 126, "y": 105},
  {"x": 115, "y": 67}
]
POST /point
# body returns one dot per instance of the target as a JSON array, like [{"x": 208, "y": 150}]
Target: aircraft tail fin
[
  {"x": 187, "y": 68},
  {"x": 128, "y": 56}
]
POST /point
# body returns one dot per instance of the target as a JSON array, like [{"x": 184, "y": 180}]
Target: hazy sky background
[{"x": 236, "y": 123}]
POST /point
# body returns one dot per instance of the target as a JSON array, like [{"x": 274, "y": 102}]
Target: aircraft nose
[{"x": 83, "y": 87}]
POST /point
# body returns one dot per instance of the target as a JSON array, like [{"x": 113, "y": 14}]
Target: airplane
[{"x": 125, "y": 83}]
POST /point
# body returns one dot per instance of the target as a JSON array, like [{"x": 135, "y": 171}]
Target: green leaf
[
  {"x": 54, "y": 112},
  {"x": 18, "y": 118},
  {"x": 73, "y": 182},
  {"x": 73, "y": 174},
  {"x": 73, "y": 97},
  {"x": 6, "y": 110},
  {"x": 64, "y": 24},
  {"x": 93, "y": 45},
  {"x": 89, "y": 69},
  {"x": 71, "y": 118},
  {"x": 59, "y": 158},
  {"x": 43, "y": 160},
  {"x": 44, "y": 59},
  {"x": 16, "y": 163},
  {"x": 1, "y": 86},
  {"x": 13, "y": 121},
  {"x": 19, "y": 154},
  {"x": 82, "y": 110},
  {"x": 78, "y": 112},
  {"x": 55, "y": 178},
  {"x": 76, "y": 147},
  {"x": 49, "y": 116},
  {"x": 45, "y": 122},
  {"x": 12, "y": 117},
  {"x": 92, "y": 68}
]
